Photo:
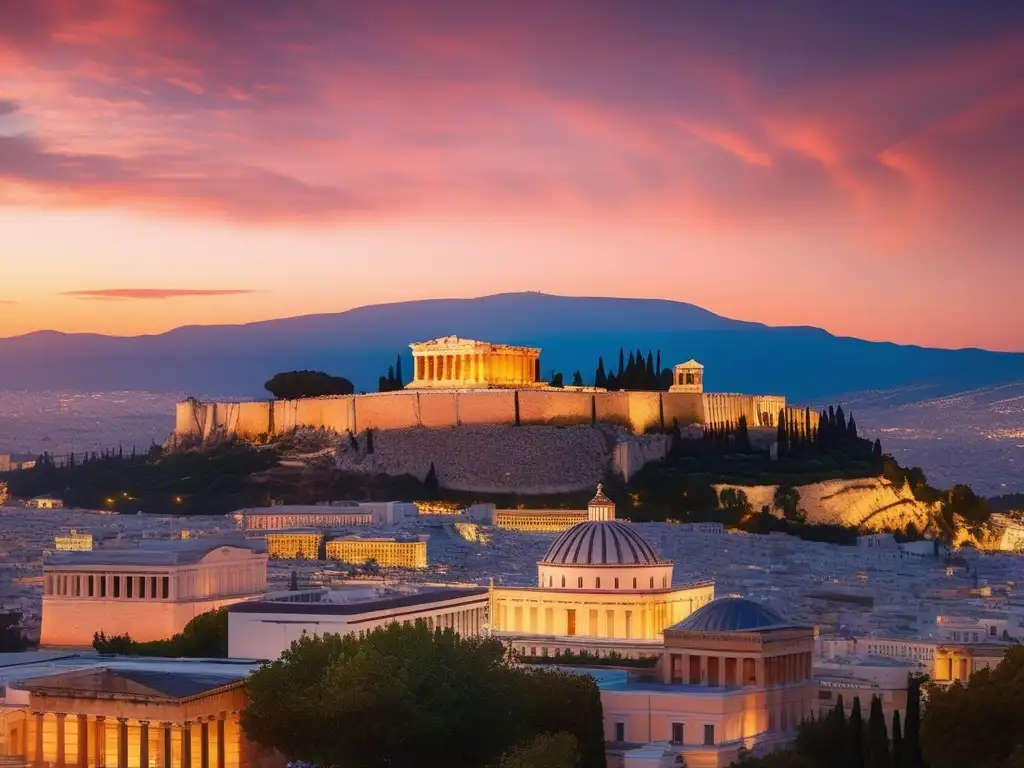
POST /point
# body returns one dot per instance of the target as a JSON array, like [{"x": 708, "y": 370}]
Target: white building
[
  {"x": 149, "y": 592},
  {"x": 44, "y": 502},
  {"x": 334, "y": 515},
  {"x": 262, "y": 629}
]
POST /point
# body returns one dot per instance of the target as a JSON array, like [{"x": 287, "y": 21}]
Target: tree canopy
[
  {"x": 404, "y": 694},
  {"x": 204, "y": 637},
  {"x": 292, "y": 385},
  {"x": 12, "y": 638}
]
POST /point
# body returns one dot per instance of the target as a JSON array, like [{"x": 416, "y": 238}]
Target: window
[
  {"x": 579, "y": 583},
  {"x": 597, "y": 583},
  {"x": 142, "y": 587},
  {"x": 652, "y": 582},
  {"x": 992, "y": 630},
  {"x": 103, "y": 586},
  {"x": 616, "y": 583},
  {"x": 634, "y": 582},
  {"x": 570, "y": 622},
  {"x": 664, "y": 582},
  {"x": 117, "y": 586},
  {"x": 620, "y": 732},
  {"x": 563, "y": 582},
  {"x": 709, "y": 735},
  {"x": 129, "y": 582},
  {"x": 152, "y": 586},
  {"x": 92, "y": 586},
  {"x": 166, "y": 588},
  {"x": 677, "y": 733}
]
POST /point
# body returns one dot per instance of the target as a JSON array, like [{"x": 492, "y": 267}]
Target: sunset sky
[{"x": 853, "y": 165}]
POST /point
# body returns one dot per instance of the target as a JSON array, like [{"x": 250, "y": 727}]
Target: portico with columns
[
  {"x": 454, "y": 363},
  {"x": 124, "y": 718}
]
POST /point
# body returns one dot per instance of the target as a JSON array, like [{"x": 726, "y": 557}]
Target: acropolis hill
[{"x": 461, "y": 382}]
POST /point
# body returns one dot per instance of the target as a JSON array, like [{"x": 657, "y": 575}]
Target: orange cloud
[{"x": 147, "y": 294}]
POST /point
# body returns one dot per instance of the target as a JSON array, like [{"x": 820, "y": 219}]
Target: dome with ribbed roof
[
  {"x": 601, "y": 542},
  {"x": 732, "y": 614}
]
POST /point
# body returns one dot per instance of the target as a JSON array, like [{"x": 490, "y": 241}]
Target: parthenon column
[
  {"x": 101, "y": 741},
  {"x": 61, "y": 747},
  {"x": 186, "y": 744},
  {"x": 143, "y": 743},
  {"x": 83, "y": 741},
  {"x": 37, "y": 757},
  {"x": 122, "y": 742},
  {"x": 221, "y": 752},
  {"x": 204, "y": 744},
  {"x": 165, "y": 741}
]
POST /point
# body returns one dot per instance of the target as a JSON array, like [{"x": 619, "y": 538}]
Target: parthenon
[{"x": 454, "y": 363}]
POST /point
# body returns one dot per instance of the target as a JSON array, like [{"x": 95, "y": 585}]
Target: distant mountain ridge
[{"x": 804, "y": 363}]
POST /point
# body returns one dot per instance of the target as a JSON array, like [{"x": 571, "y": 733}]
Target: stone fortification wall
[
  {"x": 493, "y": 459},
  {"x": 638, "y": 411},
  {"x": 872, "y": 503}
]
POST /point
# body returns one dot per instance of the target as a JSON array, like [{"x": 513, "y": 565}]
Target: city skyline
[{"x": 850, "y": 167}]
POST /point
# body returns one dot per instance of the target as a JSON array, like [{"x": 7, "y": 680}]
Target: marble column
[
  {"x": 37, "y": 757},
  {"x": 100, "y": 737},
  {"x": 61, "y": 746},
  {"x": 83, "y": 741},
  {"x": 221, "y": 752},
  {"x": 122, "y": 742},
  {"x": 166, "y": 754},
  {"x": 186, "y": 745},
  {"x": 204, "y": 744},
  {"x": 143, "y": 743}
]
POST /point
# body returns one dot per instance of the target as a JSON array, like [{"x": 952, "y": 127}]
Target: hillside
[
  {"x": 871, "y": 503},
  {"x": 803, "y": 363}
]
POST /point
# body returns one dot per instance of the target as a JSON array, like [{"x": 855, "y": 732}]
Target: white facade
[
  {"x": 264, "y": 629},
  {"x": 149, "y": 592}
]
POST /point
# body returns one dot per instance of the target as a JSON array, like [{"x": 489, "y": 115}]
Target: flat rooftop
[
  {"x": 154, "y": 552},
  {"x": 330, "y": 603}
]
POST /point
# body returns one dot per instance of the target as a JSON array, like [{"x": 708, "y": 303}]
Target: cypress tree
[
  {"x": 657, "y": 363},
  {"x": 912, "y": 727},
  {"x": 837, "y": 729},
  {"x": 369, "y": 441},
  {"x": 831, "y": 418},
  {"x": 600, "y": 377},
  {"x": 855, "y": 736},
  {"x": 897, "y": 740},
  {"x": 622, "y": 369},
  {"x": 650, "y": 383},
  {"x": 840, "y": 423},
  {"x": 851, "y": 431},
  {"x": 877, "y": 739},
  {"x": 430, "y": 483},
  {"x": 782, "y": 438},
  {"x": 398, "y": 372}
]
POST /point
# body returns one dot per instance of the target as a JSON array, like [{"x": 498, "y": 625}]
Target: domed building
[
  {"x": 601, "y": 587},
  {"x": 732, "y": 676}
]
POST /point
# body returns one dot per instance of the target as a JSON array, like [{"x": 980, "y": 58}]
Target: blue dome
[
  {"x": 731, "y": 614},
  {"x": 601, "y": 542}
]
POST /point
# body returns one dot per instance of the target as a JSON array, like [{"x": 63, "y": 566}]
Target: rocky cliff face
[{"x": 872, "y": 503}]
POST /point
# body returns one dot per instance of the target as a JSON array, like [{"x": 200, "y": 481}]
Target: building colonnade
[
  {"x": 476, "y": 367},
  {"x": 59, "y": 740},
  {"x": 722, "y": 670}
]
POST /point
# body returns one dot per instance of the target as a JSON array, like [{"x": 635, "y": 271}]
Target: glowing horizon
[{"x": 166, "y": 164}]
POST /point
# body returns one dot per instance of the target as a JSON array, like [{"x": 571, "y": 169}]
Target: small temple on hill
[{"x": 451, "y": 362}]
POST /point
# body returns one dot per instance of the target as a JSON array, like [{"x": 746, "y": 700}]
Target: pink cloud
[{"x": 150, "y": 294}]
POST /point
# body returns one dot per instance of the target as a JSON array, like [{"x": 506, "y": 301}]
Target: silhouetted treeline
[
  {"x": 393, "y": 381},
  {"x": 635, "y": 373}
]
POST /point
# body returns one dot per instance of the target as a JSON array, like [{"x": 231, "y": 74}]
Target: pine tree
[
  {"x": 912, "y": 727},
  {"x": 897, "y": 740},
  {"x": 783, "y": 438},
  {"x": 855, "y": 736},
  {"x": 622, "y": 369},
  {"x": 851, "y": 431},
  {"x": 577, "y": 379},
  {"x": 600, "y": 377},
  {"x": 430, "y": 483},
  {"x": 742, "y": 434},
  {"x": 398, "y": 372},
  {"x": 877, "y": 746}
]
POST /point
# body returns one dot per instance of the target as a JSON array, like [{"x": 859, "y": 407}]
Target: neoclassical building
[
  {"x": 150, "y": 591},
  {"x": 600, "y": 588},
  {"x": 734, "y": 675},
  {"x": 146, "y": 713},
  {"x": 451, "y": 362}
]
